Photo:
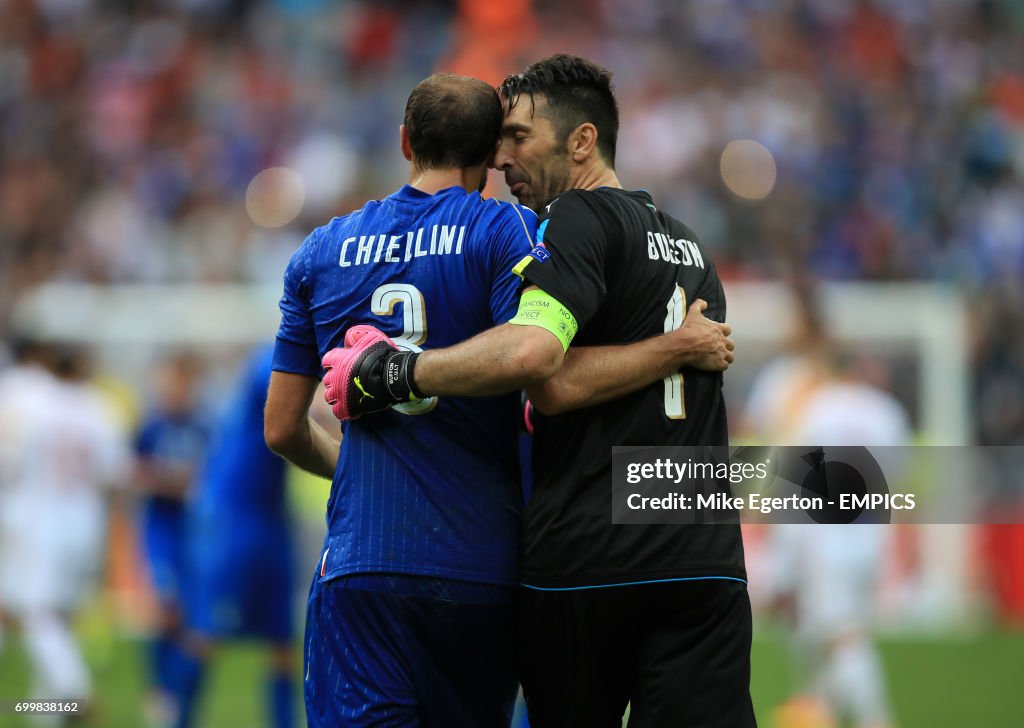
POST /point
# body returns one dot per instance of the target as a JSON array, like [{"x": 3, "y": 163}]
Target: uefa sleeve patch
[{"x": 540, "y": 253}]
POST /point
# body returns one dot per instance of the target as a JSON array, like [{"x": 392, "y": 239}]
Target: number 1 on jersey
[{"x": 675, "y": 405}]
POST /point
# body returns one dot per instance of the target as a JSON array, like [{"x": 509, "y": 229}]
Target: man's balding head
[{"x": 452, "y": 122}]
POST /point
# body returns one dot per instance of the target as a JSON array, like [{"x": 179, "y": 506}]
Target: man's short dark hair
[
  {"x": 452, "y": 121},
  {"x": 577, "y": 91}
]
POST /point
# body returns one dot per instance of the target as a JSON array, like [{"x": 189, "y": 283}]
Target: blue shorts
[
  {"x": 242, "y": 580},
  {"x": 403, "y": 651}
]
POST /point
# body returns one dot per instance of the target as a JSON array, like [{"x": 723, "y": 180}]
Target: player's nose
[{"x": 502, "y": 159}]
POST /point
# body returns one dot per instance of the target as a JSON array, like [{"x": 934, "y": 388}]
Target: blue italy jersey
[
  {"x": 241, "y": 478},
  {"x": 175, "y": 441},
  {"x": 429, "y": 488}
]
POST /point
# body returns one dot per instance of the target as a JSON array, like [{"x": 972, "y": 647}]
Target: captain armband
[{"x": 537, "y": 308}]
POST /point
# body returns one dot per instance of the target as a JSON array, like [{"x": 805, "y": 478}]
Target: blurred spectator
[{"x": 59, "y": 455}]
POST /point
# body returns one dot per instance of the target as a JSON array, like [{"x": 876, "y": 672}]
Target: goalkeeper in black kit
[{"x": 656, "y": 616}]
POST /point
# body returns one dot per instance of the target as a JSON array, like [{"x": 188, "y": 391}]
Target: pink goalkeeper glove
[{"x": 368, "y": 374}]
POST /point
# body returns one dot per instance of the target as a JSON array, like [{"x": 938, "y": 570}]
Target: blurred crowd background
[
  {"x": 884, "y": 138},
  {"x": 198, "y": 141}
]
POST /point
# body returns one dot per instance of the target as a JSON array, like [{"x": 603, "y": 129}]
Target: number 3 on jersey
[
  {"x": 675, "y": 405},
  {"x": 414, "y": 329}
]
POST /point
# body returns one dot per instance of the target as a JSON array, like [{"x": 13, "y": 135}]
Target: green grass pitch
[{"x": 935, "y": 682}]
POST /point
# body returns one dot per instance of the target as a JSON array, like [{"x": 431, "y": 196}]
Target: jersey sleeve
[
  {"x": 295, "y": 350},
  {"x": 513, "y": 241},
  {"x": 710, "y": 289},
  {"x": 568, "y": 262}
]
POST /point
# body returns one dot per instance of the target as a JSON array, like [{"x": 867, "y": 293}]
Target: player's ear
[
  {"x": 583, "y": 141},
  {"x": 406, "y": 146}
]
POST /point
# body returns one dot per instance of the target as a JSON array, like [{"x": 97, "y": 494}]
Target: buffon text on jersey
[{"x": 681, "y": 251}]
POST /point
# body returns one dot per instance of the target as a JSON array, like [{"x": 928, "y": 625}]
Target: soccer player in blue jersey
[
  {"x": 169, "y": 445},
  {"x": 410, "y": 619},
  {"x": 409, "y": 616},
  {"x": 240, "y": 547}
]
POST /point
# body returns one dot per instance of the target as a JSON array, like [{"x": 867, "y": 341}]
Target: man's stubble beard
[{"x": 558, "y": 182}]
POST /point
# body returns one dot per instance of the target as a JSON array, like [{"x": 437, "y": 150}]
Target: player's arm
[
  {"x": 531, "y": 356},
  {"x": 161, "y": 479},
  {"x": 369, "y": 373},
  {"x": 592, "y": 375},
  {"x": 291, "y": 432},
  {"x": 527, "y": 350},
  {"x": 288, "y": 428}
]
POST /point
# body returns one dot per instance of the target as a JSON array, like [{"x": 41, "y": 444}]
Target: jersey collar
[{"x": 410, "y": 194}]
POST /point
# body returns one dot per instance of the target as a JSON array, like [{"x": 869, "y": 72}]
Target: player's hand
[
  {"x": 706, "y": 343},
  {"x": 368, "y": 374}
]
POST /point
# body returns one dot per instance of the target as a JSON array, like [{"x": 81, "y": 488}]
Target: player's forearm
[
  {"x": 598, "y": 374},
  {"x": 290, "y": 431},
  {"x": 311, "y": 448},
  {"x": 326, "y": 446},
  {"x": 499, "y": 360},
  {"x": 592, "y": 375}
]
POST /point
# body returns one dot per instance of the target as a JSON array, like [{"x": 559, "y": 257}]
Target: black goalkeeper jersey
[{"x": 626, "y": 271}]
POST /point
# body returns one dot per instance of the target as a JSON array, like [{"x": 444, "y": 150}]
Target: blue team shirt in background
[
  {"x": 436, "y": 493},
  {"x": 171, "y": 439},
  {"x": 176, "y": 440},
  {"x": 240, "y": 540},
  {"x": 241, "y": 478}
]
